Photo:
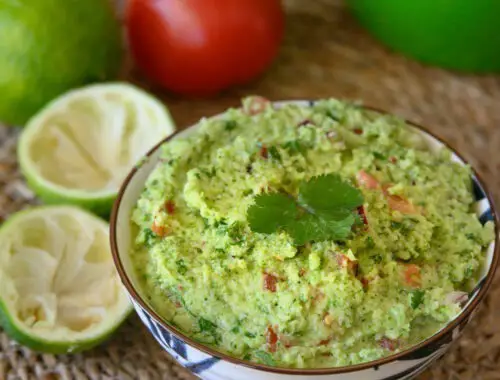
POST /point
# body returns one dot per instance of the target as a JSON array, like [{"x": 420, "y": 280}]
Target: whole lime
[
  {"x": 457, "y": 34},
  {"x": 50, "y": 46}
]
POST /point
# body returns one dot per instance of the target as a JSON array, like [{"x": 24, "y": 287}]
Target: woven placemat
[{"x": 325, "y": 53}]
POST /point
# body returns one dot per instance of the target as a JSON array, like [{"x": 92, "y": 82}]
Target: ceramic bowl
[{"x": 209, "y": 364}]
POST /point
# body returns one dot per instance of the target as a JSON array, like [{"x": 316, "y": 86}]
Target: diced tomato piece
[
  {"x": 344, "y": 262},
  {"x": 365, "y": 282},
  {"x": 362, "y": 214},
  {"x": 304, "y": 123},
  {"x": 159, "y": 230},
  {"x": 402, "y": 205},
  {"x": 393, "y": 160},
  {"x": 412, "y": 275},
  {"x": 388, "y": 344},
  {"x": 358, "y": 131},
  {"x": 398, "y": 203},
  {"x": 271, "y": 339},
  {"x": 324, "y": 342},
  {"x": 270, "y": 282},
  {"x": 256, "y": 105},
  {"x": 366, "y": 180},
  {"x": 264, "y": 153},
  {"x": 170, "y": 207}
]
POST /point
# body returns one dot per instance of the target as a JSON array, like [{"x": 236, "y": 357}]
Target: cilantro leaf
[
  {"x": 325, "y": 211},
  {"x": 329, "y": 192},
  {"x": 271, "y": 212},
  {"x": 319, "y": 228},
  {"x": 417, "y": 297}
]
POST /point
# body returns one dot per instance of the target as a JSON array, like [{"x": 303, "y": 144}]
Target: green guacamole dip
[{"x": 399, "y": 277}]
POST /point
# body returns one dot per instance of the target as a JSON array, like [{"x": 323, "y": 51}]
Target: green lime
[
  {"x": 50, "y": 46},
  {"x": 81, "y": 146},
  {"x": 59, "y": 290},
  {"x": 457, "y": 34}
]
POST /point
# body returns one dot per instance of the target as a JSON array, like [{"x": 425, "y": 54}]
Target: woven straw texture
[{"x": 325, "y": 53}]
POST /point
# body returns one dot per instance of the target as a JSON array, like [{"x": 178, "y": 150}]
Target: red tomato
[
  {"x": 367, "y": 180},
  {"x": 345, "y": 262},
  {"x": 170, "y": 207},
  {"x": 271, "y": 339},
  {"x": 269, "y": 282},
  {"x": 159, "y": 230},
  {"x": 203, "y": 46},
  {"x": 402, "y": 205},
  {"x": 412, "y": 275},
  {"x": 264, "y": 153},
  {"x": 362, "y": 214}
]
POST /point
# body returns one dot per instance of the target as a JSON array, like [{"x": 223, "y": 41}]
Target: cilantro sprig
[{"x": 323, "y": 210}]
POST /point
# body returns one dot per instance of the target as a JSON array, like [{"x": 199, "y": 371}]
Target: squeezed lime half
[
  {"x": 59, "y": 289},
  {"x": 81, "y": 146}
]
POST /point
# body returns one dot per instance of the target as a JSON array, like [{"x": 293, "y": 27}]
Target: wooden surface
[{"x": 325, "y": 53}]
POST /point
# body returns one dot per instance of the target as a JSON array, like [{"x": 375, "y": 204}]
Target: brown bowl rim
[{"x": 311, "y": 371}]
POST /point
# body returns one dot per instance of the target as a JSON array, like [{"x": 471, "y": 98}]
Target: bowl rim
[{"x": 306, "y": 371}]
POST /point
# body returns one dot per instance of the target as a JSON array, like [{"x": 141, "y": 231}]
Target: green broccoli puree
[{"x": 398, "y": 277}]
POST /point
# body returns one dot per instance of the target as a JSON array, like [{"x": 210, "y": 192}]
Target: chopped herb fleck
[
  {"x": 274, "y": 154},
  {"x": 181, "y": 266},
  {"x": 379, "y": 156},
  {"x": 265, "y": 357},
  {"x": 206, "y": 326},
  {"x": 396, "y": 225},
  {"x": 294, "y": 146},
  {"x": 369, "y": 242},
  {"x": 469, "y": 272},
  {"x": 149, "y": 237},
  {"x": 417, "y": 297},
  {"x": 230, "y": 125},
  {"x": 333, "y": 115}
]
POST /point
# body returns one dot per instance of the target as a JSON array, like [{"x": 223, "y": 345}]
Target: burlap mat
[{"x": 325, "y": 54}]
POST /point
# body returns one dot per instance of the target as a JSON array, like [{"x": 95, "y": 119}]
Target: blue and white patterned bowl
[{"x": 209, "y": 364}]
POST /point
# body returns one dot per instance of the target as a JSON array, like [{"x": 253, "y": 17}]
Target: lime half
[
  {"x": 81, "y": 146},
  {"x": 59, "y": 290}
]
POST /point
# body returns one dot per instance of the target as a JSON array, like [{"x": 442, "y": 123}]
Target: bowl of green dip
[{"x": 304, "y": 238}]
